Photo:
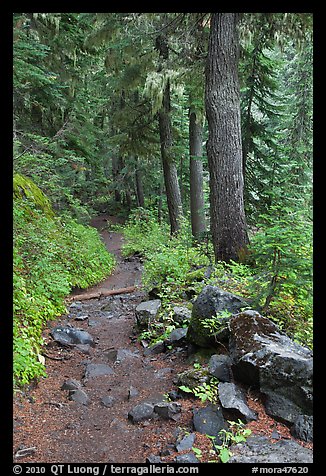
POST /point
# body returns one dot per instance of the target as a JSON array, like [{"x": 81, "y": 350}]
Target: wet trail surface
[{"x": 114, "y": 375}]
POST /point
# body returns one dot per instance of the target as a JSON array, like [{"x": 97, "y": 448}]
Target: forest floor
[{"x": 50, "y": 428}]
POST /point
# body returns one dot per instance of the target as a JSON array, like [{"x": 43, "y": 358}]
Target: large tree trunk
[
  {"x": 198, "y": 225},
  {"x": 224, "y": 149},
  {"x": 173, "y": 194}
]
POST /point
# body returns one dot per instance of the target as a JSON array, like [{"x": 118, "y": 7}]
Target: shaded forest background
[{"x": 94, "y": 94}]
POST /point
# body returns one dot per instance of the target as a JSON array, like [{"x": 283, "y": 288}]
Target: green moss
[
  {"x": 25, "y": 189},
  {"x": 51, "y": 256}
]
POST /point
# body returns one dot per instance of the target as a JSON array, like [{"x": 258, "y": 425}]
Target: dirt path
[{"x": 60, "y": 430}]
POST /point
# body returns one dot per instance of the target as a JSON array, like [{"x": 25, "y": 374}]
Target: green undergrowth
[
  {"x": 277, "y": 281},
  {"x": 51, "y": 256}
]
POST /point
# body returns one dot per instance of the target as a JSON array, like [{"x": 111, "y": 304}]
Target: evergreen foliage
[{"x": 88, "y": 92}]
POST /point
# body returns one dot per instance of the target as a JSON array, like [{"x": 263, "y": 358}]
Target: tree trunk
[
  {"x": 139, "y": 185},
  {"x": 198, "y": 225},
  {"x": 169, "y": 166},
  {"x": 116, "y": 167},
  {"x": 224, "y": 149}
]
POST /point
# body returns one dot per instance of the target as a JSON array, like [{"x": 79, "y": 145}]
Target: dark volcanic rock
[
  {"x": 71, "y": 335},
  {"x": 233, "y": 398},
  {"x": 186, "y": 458},
  {"x": 155, "y": 349},
  {"x": 177, "y": 336},
  {"x": 186, "y": 443},
  {"x": 181, "y": 314},
  {"x": 107, "y": 401},
  {"x": 97, "y": 370},
  {"x": 259, "y": 449},
  {"x": 167, "y": 410},
  {"x": 210, "y": 302},
  {"x": 146, "y": 312},
  {"x": 264, "y": 357},
  {"x": 143, "y": 411},
  {"x": 71, "y": 384},
  {"x": 79, "y": 396},
  {"x": 220, "y": 367},
  {"x": 209, "y": 421},
  {"x": 303, "y": 428}
]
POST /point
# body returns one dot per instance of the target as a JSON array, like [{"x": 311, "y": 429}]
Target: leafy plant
[
  {"x": 205, "y": 391},
  {"x": 236, "y": 434}
]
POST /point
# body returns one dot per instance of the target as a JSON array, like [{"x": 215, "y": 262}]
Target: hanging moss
[{"x": 25, "y": 189}]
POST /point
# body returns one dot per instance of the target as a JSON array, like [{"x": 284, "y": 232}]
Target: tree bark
[
  {"x": 172, "y": 188},
  {"x": 139, "y": 185},
  {"x": 198, "y": 224},
  {"x": 224, "y": 148}
]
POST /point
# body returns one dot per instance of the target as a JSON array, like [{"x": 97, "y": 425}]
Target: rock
[
  {"x": 209, "y": 421},
  {"x": 107, "y": 401},
  {"x": 259, "y": 449},
  {"x": 177, "y": 336},
  {"x": 220, "y": 367},
  {"x": 167, "y": 410},
  {"x": 76, "y": 306},
  {"x": 132, "y": 392},
  {"x": 71, "y": 335},
  {"x": 233, "y": 398},
  {"x": 81, "y": 317},
  {"x": 181, "y": 314},
  {"x": 142, "y": 411},
  {"x": 71, "y": 384},
  {"x": 153, "y": 459},
  {"x": 146, "y": 312},
  {"x": 193, "y": 378},
  {"x": 303, "y": 428},
  {"x": 186, "y": 458},
  {"x": 111, "y": 355},
  {"x": 264, "y": 357},
  {"x": 79, "y": 396},
  {"x": 210, "y": 302},
  {"x": 97, "y": 370},
  {"x": 124, "y": 354},
  {"x": 186, "y": 443},
  {"x": 155, "y": 349},
  {"x": 84, "y": 348}
]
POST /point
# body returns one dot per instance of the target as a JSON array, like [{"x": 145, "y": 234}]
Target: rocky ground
[{"x": 90, "y": 407}]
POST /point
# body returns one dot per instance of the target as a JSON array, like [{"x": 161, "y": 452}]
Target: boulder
[
  {"x": 146, "y": 312},
  {"x": 181, "y": 314},
  {"x": 157, "y": 348},
  {"x": 142, "y": 411},
  {"x": 209, "y": 303},
  {"x": 209, "y": 421},
  {"x": 97, "y": 370},
  {"x": 107, "y": 401},
  {"x": 177, "y": 336},
  {"x": 167, "y": 410},
  {"x": 71, "y": 336},
  {"x": 303, "y": 428},
  {"x": 265, "y": 357},
  {"x": 186, "y": 443},
  {"x": 259, "y": 449},
  {"x": 233, "y": 398},
  {"x": 71, "y": 384},
  {"x": 79, "y": 396},
  {"x": 193, "y": 378},
  {"x": 187, "y": 458},
  {"x": 219, "y": 366}
]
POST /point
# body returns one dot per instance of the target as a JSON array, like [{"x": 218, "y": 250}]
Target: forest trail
[{"x": 49, "y": 427}]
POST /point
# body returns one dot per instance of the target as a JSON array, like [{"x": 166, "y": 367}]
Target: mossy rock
[
  {"x": 25, "y": 189},
  {"x": 193, "y": 378}
]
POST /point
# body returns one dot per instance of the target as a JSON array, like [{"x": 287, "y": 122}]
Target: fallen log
[{"x": 98, "y": 295}]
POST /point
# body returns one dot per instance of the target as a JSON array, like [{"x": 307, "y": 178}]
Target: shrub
[{"x": 51, "y": 256}]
